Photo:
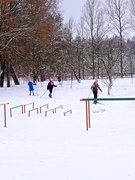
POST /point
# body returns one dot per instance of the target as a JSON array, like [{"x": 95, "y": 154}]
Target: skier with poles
[
  {"x": 95, "y": 86},
  {"x": 50, "y": 86},
  {"x": 31, "y": 88}
]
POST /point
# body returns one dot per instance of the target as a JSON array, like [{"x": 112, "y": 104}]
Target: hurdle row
[
  {"x": 23, "y": 109},
  {"x": 54, "y": 110}
]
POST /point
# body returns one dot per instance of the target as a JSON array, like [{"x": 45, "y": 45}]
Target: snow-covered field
[{"x": 58, "y": 147}]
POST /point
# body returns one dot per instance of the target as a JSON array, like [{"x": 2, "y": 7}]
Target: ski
[{"x": 98, "y": 103}]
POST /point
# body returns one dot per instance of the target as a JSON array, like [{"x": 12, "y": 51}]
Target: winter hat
[{"x": 96, "y": 81}]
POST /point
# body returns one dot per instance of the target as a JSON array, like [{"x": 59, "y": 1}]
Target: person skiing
[
  {"x": 95, "y": 86},
  {"x": 50, "y": 86},
  {"x": 31, "y": 88}
]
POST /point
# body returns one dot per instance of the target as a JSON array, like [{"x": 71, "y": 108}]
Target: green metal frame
[
  {"x": 108, "y": 99},
  {"x": 87, "y": 101}
]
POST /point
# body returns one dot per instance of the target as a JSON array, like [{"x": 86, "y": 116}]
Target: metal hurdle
[
  {"x": 33, "y": 110},
  {"x": 69, "y": 111},
  {"x": 61, "y": 106},
  {"x": 48, "y": 111},
  {"x": 32, "y": 103},
  {"x": 4, "y": 104},
  {"x": 47, "y": 105},
  {"x": 14, "y": 108}
]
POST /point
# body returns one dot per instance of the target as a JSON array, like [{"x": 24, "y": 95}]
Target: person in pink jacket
[{"x": 95, "y": 86}]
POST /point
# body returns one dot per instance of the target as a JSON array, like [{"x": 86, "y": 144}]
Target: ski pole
[
  {"x": 43, "y": 94},
  {"x": 89, "y": 94},
  {"x": 99, "y": 93},
  {"x": 54, "y": 91},
  {"x": 36, "y": 90}
]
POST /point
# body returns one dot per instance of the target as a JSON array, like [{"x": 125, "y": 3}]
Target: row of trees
[
  {"x": 30, "y": 34},
  {"x": 36, "y": 43}
]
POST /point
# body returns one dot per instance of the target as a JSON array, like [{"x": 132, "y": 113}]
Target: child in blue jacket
[{"x": 31, "y": 88}]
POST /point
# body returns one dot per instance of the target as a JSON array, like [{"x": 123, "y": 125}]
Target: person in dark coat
[
  {"x": 95, "y": 87},
  {"x": 50, "y": 86},
  {"x": 59, "y": 79},
  {"x": 31, "y": 87}
]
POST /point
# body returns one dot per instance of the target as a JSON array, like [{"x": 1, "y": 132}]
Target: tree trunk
[
  {"x": 2, "y": 79},
  {"x": 14, "y": 76},
  {"x": 3, "y": 67},
  {"x": 8, "y": 79}
]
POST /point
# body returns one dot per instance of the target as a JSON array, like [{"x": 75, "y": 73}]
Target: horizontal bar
[
  {"x": 44, "y": 105},
  {"x": 33, "y": 109},
  {"x": 16, "y": 107},
  {"x": 4, "y": 104},
  {"x": 108, "y": 99},
  {"x": 29, "y": 104}
]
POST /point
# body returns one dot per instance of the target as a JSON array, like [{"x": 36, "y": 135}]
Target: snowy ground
[{"x": 58, "y": 147}]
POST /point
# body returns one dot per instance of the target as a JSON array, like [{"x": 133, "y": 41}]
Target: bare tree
[
  {"x": 132, "y": 16},
  {"x": 82, "y": 44},
  {"x": 109, "y": 58},
  {"x": 93, "y": 18},
  {"x": 117, "y": 17},
  {"x": 70, "y": 50}
]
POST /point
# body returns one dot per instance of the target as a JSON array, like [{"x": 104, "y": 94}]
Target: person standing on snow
[
  {"x": 31, "y": 88},
  {"x": 95, "y": 86},
  {"x": 50, "y": 86},
  {"x": 59, "y": 79}
]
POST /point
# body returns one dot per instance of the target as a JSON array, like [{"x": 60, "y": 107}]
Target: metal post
[
  {"x": 5, "y": 115},
  {"x": 89, "y": 113}
]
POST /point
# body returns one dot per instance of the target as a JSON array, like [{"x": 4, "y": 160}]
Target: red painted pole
[
  {"x": 4, "y": 113},
  {"x": 87, "y": 115}
]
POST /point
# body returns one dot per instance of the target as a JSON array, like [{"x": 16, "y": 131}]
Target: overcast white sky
[{"x": 72, "y": 8}]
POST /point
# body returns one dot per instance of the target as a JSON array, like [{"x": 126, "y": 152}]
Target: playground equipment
[
  {"x": 87, "y": 101},
  {"x": 4, "y": 104},
  {"x": 61, "y": 106},
  {"x": 33, "y": 110},
  {"x": 15, "y": 108},
  {"x": 32, "y": 103},
  {"x": 69, "y": 111},
  {"x": 49, "y": 111},
  {"x": 47, "y": 105}
]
